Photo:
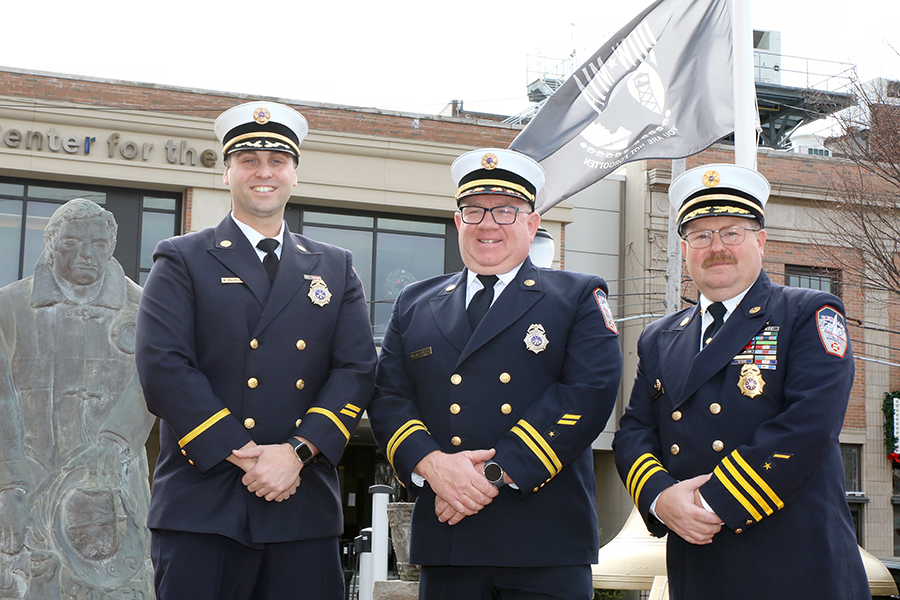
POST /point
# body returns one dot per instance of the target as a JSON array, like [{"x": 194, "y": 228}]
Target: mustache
[{"x": 718, "y": 257}]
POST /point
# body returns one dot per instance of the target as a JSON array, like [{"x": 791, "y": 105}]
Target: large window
[
  {"x": 856, "y": 499},
  {"x": 144, "y": 218},
  {"x": 812, "y": 278},
  {"x": 389, "y": 250}
]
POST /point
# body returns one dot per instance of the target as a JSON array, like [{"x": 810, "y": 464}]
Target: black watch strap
[{"x": 302, "y": 449}]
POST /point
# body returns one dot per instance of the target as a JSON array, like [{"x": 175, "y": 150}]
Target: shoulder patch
[
  {"x": 600, "y": 297},
  {"x": 832, "y": 331}
]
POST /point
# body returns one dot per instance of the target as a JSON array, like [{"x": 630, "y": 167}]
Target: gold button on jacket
[
  {"x": 249, "y": 423},
  {"x": 454, "y": 409},
  {"x": 252, "y": 382},
  {"x": 455, "y": 440}
]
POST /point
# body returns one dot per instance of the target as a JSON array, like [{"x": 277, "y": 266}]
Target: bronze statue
[{"x": 73, "y": 470}]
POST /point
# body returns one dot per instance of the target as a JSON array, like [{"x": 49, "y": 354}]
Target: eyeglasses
[
  {"x": 503, "y": 215},
  {"x": 730, "y": 236}
]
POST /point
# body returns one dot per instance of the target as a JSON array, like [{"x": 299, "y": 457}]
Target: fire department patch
[
  {"x": 604, "y": 308},
  {"x": 832, "y": 331}
]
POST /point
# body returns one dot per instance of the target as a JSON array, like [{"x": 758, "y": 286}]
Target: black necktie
[
  {"x": 270, "y": 262},
  {"x": 717, "y": 310},
  {"x": 481, "y": 301}
]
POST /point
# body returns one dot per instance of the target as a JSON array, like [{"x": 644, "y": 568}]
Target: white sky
[{"x": 405, "y": 55}]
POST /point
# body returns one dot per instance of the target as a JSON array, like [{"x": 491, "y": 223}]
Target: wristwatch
[
  {"x": 304, "y": 452},
  {"x": 494, "y": 474}
]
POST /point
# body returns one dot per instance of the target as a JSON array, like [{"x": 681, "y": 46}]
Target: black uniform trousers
[
  {"x": 199, "y": 566},
  {"x": 568, "y": 582}
]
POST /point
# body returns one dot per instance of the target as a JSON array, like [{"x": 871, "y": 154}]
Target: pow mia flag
[{"x": 660, "y": 88}]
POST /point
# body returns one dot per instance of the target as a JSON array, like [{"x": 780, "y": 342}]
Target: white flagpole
[{"x": 745, "y": 115}]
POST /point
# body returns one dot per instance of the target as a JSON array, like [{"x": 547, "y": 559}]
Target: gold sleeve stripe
[
  {"x": 566, "y": 422},
  {"x": 781, "y": 455},
  {"x": 333, "y": 417},
  {"x": 401, "y": 434},
  {"x": 746, "y": 485},
  {"x": 349, "y": 413},
  {"x": 737, "y": 494},
  {"x": 645, "y": 479},
  {"x": 759, "y": 480},
  {"x": 576, "y": 417},
  {"x": 638, "y": 476},
  {"x": 352, "y": 407},
  {"x": 635, "y": 466},
  {"x": 534, "y": 448},
  {"x": 203, "y": 426},
  {"x": 542, "y": 443}
]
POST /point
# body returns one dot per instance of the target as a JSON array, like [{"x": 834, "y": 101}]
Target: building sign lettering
[{"x": 175, "y": 152}]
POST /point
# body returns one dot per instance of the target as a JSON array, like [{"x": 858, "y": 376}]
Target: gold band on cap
[
  {"x": 495, "y": 183},
  {"x": 261, "y": 134},
  {"x": 716, "y": 211},
  {"x": 725, "y": 197}
]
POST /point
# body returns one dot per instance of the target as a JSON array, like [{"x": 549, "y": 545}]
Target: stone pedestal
[
  {"x": 400, "y": 520},
  {"x": 396, "y": 590}
]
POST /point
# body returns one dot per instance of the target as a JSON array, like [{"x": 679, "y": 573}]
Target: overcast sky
[{"x": 398, "y": 55}]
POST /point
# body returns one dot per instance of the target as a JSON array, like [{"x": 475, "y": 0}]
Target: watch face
[
  {"x": 304, "y": 453},
  {"x": 493, "y": 472}
]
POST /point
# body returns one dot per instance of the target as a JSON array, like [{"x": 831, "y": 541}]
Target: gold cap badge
[
  {"x": 711, "y": 179},
  {"x": 489, "y": 161},
  {"x": 261, "y": 115}
]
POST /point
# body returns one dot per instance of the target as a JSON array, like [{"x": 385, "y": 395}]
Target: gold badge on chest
[
  {"x": 318, "y": 291},
  {"x": 751, "y": 382},
  {"x": 536, "y": 338}
]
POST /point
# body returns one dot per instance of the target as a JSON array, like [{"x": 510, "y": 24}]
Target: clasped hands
[
  {"x": 681, "y": 509},
  {"x": 271, "y": 471},
  {"x": 458, "y": 482}
]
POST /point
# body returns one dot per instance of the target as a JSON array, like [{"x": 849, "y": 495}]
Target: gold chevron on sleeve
[
  {"x": 350, "y": 410},
  {"x": 203, "y": 427},
  {"x": 568, "y": 419},
  {"x": 401, "y": 434},
  {"x": 334, "y": 419},
  {"x": 643, "y": 468},
  {"x": 537, "y": 444}
]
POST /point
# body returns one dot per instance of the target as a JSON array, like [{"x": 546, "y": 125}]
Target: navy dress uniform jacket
[
  {"x": 777, "y": 476},
  {"x": 440, "y": 386},
  {"x": 224, "y": 358}
]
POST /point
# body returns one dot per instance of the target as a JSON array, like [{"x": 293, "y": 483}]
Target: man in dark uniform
[
  {"x": 254, "y": 348},
  {"x": 730, "y": 440},
  {"x": 491, "y": 386}
]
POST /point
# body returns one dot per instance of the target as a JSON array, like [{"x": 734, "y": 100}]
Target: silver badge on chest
[{"x": 536, "y": 338}]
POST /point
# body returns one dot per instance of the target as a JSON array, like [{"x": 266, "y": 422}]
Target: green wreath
[{"x": 890, "y": 438}]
